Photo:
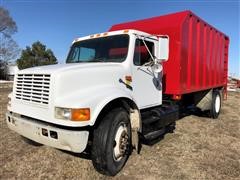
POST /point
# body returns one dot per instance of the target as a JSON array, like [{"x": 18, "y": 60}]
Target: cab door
[{"x": 147, "y": 86}]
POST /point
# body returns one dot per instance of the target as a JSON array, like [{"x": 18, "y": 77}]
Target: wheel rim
[
  {"x": 217, "y": 104},
  {"x": 120, "y": 143}
]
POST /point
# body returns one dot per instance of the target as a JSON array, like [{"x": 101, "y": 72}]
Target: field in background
[{"x": 200, "y": 148}]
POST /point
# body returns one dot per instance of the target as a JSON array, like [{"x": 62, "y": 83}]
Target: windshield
[{"x": 104, "y": 49}]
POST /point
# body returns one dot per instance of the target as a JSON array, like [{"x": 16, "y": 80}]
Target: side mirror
[{"x": 163, "y": 48}]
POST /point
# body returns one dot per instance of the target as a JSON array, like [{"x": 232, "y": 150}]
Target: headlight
[
  {"x": 82, "y": 114},
  {"x": 62, "y": 113}
]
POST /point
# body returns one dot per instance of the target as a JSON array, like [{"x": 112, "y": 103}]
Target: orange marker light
[
  {"x": 177, "y": 97},
  {"x": 98, "y": 35},
  {"x": 126, "y": 31},
  {"x": 105, "y": 34},
  {"x": 80, "y": 114}
]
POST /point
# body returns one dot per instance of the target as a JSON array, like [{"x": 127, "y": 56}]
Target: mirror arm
[
  {"x": 149, "y": 52},
  {"x": 148, "y": 49}
]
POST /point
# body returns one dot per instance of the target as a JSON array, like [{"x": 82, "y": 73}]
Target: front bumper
[{"x": 70, "y": 140}]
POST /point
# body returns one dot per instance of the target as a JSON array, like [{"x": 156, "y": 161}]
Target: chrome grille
[{"x": 33, "y": 87}]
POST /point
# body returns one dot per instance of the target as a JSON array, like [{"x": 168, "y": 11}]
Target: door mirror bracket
[{"x": 157, "y": 66}]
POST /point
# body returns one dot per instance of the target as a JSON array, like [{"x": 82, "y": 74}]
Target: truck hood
[
  {"x": 85, "y": 81},
  {"x": 70, "y": 85},
  {"x": 67, "y": 79},
  {"x": 58, "y": 68}
]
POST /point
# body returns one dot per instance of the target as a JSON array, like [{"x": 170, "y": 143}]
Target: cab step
[
  {"x": 154, "y": 134},
  {"x": 155, "y": 119}
]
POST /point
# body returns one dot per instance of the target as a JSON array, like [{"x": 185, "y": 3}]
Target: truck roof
[{"x": 112, "y": 33}]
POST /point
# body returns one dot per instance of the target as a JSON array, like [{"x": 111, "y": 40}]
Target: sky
[{"x": 57, "y": 22}]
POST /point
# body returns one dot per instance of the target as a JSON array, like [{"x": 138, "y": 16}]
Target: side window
[{"x": 141, "y": 55}]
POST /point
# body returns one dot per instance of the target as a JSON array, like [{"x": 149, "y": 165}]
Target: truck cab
[{"x": 95, "y": 99}]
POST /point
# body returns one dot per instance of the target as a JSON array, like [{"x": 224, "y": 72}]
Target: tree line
[{"x": 36, "y": 55}]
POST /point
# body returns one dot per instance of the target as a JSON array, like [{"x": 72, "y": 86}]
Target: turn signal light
[{"x": 80, "y": 114}]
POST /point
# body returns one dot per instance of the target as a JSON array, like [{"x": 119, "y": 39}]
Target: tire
[
  {"x": 30, "y": 142},
  {"x": 216, "y": 105},
  {"x": 114, "y": 130}
]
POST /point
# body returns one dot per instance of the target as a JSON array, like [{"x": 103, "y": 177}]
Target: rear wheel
[
  {"x": 216, "y": 104},
  {"x": 112, "y": 142}
]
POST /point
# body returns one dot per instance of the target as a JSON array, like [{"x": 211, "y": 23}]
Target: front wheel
[{"x": 112, "y": 142}]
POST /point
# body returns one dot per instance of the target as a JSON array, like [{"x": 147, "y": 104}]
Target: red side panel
[
  {"x": 201, "y": 56},
  {"x": 198, "y": 54}
]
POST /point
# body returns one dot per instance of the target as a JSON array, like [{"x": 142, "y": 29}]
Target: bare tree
[
  {"x": 8, "y": 47},
  {"x": 7, "y": 24}
]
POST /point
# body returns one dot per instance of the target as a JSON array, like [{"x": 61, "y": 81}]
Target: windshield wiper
[{"x": 97, "y": 60}]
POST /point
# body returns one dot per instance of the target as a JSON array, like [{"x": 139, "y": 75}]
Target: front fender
[{"x": 94, "y": 98}]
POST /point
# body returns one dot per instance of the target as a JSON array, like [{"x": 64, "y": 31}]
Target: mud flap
[
  {"x": 206, "y": 101},
  {"x": 136, "y": 128}
]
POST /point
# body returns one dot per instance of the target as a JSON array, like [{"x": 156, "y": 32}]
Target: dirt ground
[{"x": 200, "y": 148}]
